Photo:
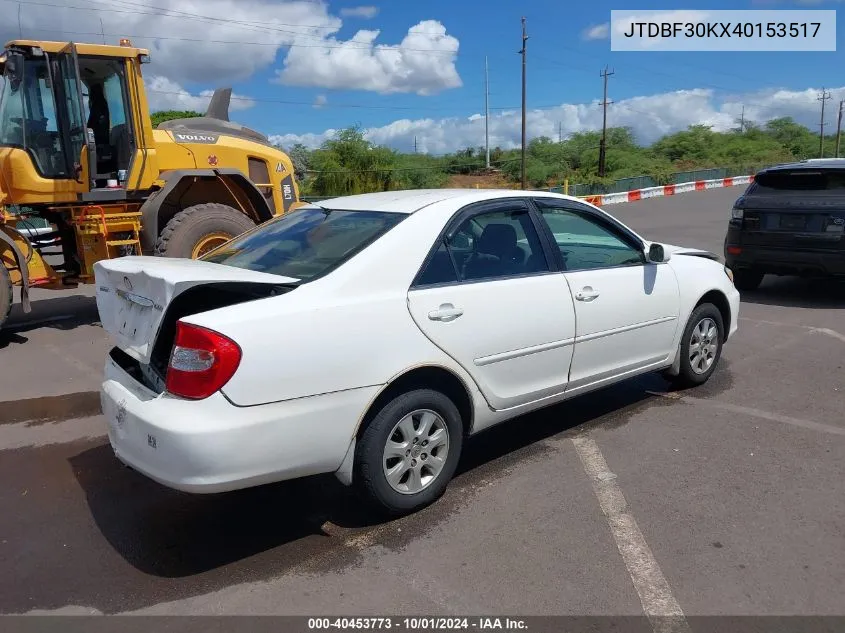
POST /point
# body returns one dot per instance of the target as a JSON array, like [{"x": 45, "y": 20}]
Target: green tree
[
  {"x": 299, "y": 156},
  {"x": 168, "y": 115},
  {"x": 350, "y": 164}
]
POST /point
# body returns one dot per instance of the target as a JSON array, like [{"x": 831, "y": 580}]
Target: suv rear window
[
  {"x": 799, "y": 180},
  {"x": 305, "y": 243}
]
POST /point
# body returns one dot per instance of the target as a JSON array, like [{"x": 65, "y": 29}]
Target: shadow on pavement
[
  {"x": 170, "y": 534},
  {"x": 795, "y": 292},
  {"x": 61, "y": 313}
]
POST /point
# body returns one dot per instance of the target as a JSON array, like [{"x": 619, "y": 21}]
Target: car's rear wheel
[
  {"x": 409, "y": 451},
  {"x": 701, "y": 346},
  {"x": 745, "y": 279}
]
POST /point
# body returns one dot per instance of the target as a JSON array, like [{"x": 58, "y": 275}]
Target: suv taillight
[{"x": 202, "y": 361}]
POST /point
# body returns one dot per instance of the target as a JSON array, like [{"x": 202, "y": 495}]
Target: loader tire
[
  {"x": 198, "y": 229},
  {"x": 6, "y": 295}
]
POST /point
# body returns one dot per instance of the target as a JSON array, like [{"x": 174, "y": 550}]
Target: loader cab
[{"x": 71, "y": 113}]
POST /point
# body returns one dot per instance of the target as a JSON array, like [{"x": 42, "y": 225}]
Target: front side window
[
  {"x": 306, "y": 243},
  {"x": 28, "y": 118},
  {"x": 11, "y": 113},
  {"x": 586, "y": 243}
]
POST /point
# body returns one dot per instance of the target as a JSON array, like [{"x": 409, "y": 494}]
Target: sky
[{"x": 411, "y": 74}]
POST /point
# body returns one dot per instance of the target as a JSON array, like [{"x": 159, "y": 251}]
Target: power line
[
  {"x": 191, "y": 15},
  {"x": 180, "y": 14},
  {"x": 252, "y": 26},
  {"x": 435, "y": 51},
  {"x": 303, "y": 103},
  {"x": 392, "y": 169}
]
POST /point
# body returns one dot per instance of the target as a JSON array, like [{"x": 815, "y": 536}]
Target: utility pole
[
  {"x": 839, "y": 127},
  {"x": 824, "y": 96},
  {"x": 559, "y": 132},
  {"x": 603, "y": 145},
  {"x": 415, "y": 144},
  {"x": 742, "y": 121},
  {"x": 486, "y": 114},
  {"x": 522, "y": 52}
]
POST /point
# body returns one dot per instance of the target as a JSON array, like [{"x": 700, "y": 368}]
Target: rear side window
[
  {"x": 439, "y": 270},
  {"x": 305, "y": 243},
  {"x": 799, "y": 180}
]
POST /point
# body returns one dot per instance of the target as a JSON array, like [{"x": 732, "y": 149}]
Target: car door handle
[
  {"x": 446, "y": 312},
  {"x": 586, "y": 294}
]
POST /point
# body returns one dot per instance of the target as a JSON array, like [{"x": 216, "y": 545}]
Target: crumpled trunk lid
[{"x": 133, "y": 294}]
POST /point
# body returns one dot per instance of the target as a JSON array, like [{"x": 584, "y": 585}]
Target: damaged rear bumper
[{"x": 211, "y": 445}]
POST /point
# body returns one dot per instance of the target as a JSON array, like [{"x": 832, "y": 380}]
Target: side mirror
[{"x": 656, "y": 254}]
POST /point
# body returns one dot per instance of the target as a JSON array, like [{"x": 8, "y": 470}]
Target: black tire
[
  {"x": 185, "y": 229},
  {"x": 745, "y": 279},
  {"x": 688, "y": 376},
  {"x": 369, "y": 477},
  {"x": 6, "y": 295}
]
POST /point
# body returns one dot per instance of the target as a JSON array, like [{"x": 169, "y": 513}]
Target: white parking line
[
  {"x": 829, "y": 332},
  {"x": 661, "y": 607},
  {"x": 810, "y": 328},
  {"x": 751, "y": 411}
]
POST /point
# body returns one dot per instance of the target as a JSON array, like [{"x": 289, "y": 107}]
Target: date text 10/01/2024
[{"x": 418, "y": 623}]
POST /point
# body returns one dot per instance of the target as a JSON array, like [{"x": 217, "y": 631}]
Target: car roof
[
  {"x": 410, "y": 201},
  {"x": 809, "y": 164}
]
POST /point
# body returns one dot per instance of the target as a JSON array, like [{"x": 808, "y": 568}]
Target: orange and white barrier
[{"x": 666, "y": 190}]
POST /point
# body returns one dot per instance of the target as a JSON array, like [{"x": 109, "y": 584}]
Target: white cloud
[
  {"x": 423, "y": 63},
  {"x": 597, "y": 32},
  {"x": 184, "y": 46},
  {"x": 366, "y": 12},
  {"x": 320, "y": 101},
  {"x": 166, "y": 94},
  {"x": 650, "y": 117},
  {"x": 221, "y": 42}
]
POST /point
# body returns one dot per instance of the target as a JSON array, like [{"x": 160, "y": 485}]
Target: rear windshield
[
  {"x": 305, "y": 243},
  {"x": 800, "y": 180}
]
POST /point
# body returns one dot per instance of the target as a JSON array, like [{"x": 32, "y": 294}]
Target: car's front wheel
[
  {"x": 409, "y": 451},
  {"x": 701, "y": 346}
]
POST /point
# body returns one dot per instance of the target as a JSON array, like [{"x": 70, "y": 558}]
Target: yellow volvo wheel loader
[{"x": 79, "y": 154}]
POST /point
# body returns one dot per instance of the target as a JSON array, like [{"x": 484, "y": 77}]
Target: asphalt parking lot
[{"x": 727, "y": 499}]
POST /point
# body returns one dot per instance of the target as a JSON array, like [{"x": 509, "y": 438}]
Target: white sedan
[{"x": 369, "y": 336}]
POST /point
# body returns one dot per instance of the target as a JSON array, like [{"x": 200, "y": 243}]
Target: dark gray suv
[{"x": 789, "y": 221}]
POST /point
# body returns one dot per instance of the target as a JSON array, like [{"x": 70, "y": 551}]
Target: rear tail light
[
  {"x": 737, "y": 214},
  {"x": 734, "y": 250},
  {"x": 202, "y": 361}
]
